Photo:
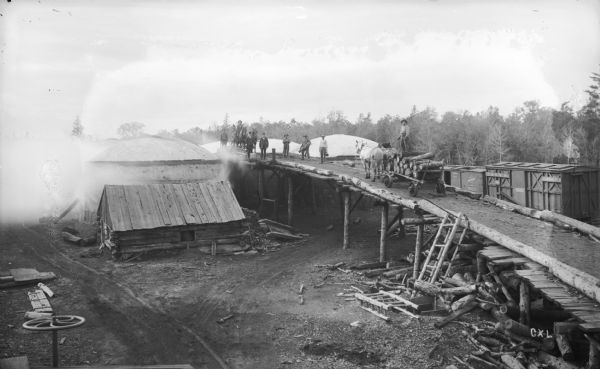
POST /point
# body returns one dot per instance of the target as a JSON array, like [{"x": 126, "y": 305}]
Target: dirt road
[{"x": 164, "y": 308}]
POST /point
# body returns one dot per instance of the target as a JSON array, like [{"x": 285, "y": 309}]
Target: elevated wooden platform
[{"x": 571, "y": 257}]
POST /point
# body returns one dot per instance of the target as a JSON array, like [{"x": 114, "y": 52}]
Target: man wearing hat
[
  {"x": 323, "y": 148},
  {"x": 404, "y": 131},
  {"x": 304, "y": 148},
  {"x": 286, "y": 145},
  {"x": 263, "y": 144}
]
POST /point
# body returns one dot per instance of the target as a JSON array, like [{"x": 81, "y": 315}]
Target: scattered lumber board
[
  {"x": 25, "y": 276},
  {"x": 39, "y": 301},
  {"x": 458, "y": 313},
  {"x": 17, "y": 362}
]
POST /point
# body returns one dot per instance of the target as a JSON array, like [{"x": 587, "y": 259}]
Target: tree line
[{"x": 530, "y": 133}]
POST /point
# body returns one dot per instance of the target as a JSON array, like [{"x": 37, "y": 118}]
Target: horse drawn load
[{"x": 417, "y": 170}]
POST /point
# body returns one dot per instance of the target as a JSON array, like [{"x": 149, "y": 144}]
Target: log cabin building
[{"x": 147, "y": 217}]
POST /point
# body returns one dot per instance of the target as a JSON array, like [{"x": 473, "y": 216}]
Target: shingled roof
[{"x": 132, "y": 207}]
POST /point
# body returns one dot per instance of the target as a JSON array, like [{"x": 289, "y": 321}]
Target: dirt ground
[{"x": 164, "y": 307}]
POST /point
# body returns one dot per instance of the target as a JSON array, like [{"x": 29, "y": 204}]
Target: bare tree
[{"x": 131, "y": 129}]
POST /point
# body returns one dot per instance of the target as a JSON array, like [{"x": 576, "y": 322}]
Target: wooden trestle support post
[
  {"x": 400, "y": 215},
  {"x": 383, "y": 234},
  {"x": 313, "y": 200},
  {"x": 418, "y": 246},
  {"x": 261, "y": 189},
  {"x": 346, "y": 198},
  {"x": 524, "y": 303},
  {"x": 290, "y": 200}
]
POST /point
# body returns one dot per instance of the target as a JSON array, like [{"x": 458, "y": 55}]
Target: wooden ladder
[
  {"x": 456, "y": 250},
  {"x": 441, "y": 243},
  {"x": 379, "y": 302}
]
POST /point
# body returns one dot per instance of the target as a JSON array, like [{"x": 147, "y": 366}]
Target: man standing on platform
[
  {"x": 286, "y": 145},
  {"x": 305, "y": 147},
  {"x": 323, "y": 148},
  {"x": 263, "y": 144},
  {"x": 404, "y": 132},
  {"x": 249, "y": 145}
]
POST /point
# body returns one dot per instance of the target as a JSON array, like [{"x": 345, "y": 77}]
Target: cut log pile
[{"x": 420, "y": 166}]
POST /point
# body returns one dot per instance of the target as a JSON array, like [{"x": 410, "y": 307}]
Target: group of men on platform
[{"x": 242, "y": 138}]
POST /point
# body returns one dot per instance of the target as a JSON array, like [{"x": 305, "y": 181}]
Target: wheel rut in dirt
[{"x": 151, "y": 335}]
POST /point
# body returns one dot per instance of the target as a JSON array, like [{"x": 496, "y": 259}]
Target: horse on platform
[
  {"x": 371, "y": 157},
  {"x": 389, "y": 157}
]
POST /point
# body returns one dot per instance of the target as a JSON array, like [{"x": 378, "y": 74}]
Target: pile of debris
[
  {"x": 524, "y": 330},
  {"x": 265, "y": 235}
]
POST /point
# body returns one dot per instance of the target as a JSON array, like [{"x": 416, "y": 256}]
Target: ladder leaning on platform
[{"x": 441, "y": 244}]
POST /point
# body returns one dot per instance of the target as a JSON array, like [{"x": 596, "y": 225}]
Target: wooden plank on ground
[
  {"x": 376, "y": 313},
  {"x": 29, "y": 275},
  {"x": 39, "y": 301},
  {"x": 17, "y": 362}
]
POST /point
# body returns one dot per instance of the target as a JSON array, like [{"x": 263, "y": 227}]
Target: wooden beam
[
  {"x": 420, "y": 221},
  {"x": 418, "y": 245},
  {"x": 290, "y": 200},
  {"x": 360, "y": 196},
  {"x": 313, "y": 197},
  {"x": 384, "y": 222},
  {"x": 261, "y": 190},
  {"x": 392, "y": 222},
  {"x": 400, "y": 215},
  {"x": 524, "y": 303},
  {"x": 298, "y": 188},
  {"x": 346, "y": 197}
]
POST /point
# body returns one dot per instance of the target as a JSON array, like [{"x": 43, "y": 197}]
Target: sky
[{"x": 180, "y": 64}]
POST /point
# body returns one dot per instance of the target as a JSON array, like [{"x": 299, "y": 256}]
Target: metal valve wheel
[{"x": 54, "y": 324}]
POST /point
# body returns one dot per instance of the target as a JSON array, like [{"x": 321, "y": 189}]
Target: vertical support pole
[
  {"x": 261, "y": 189},
  {"x": 594, "y": 357},
  {"x": 273, "y": 158},
  {"x": 276, "y": 198},
  {"x": 55, "y": 349},
  {"x": 290, "y": 199},
  {"x": 418, "y": 246},
  {"x": 313, "y": 200},
  {"x": 401, "y": 232},
  {"x": 524, "y": 303},
  {"x": 346, "y": 196},
  {"x": 383, "y": 233}
]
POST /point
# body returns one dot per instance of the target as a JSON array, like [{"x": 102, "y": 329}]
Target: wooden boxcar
[
  {"x": 136, "y": 218},
  {"x": 468, "y": 178},
  {"x": 567, "y": 189}
]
